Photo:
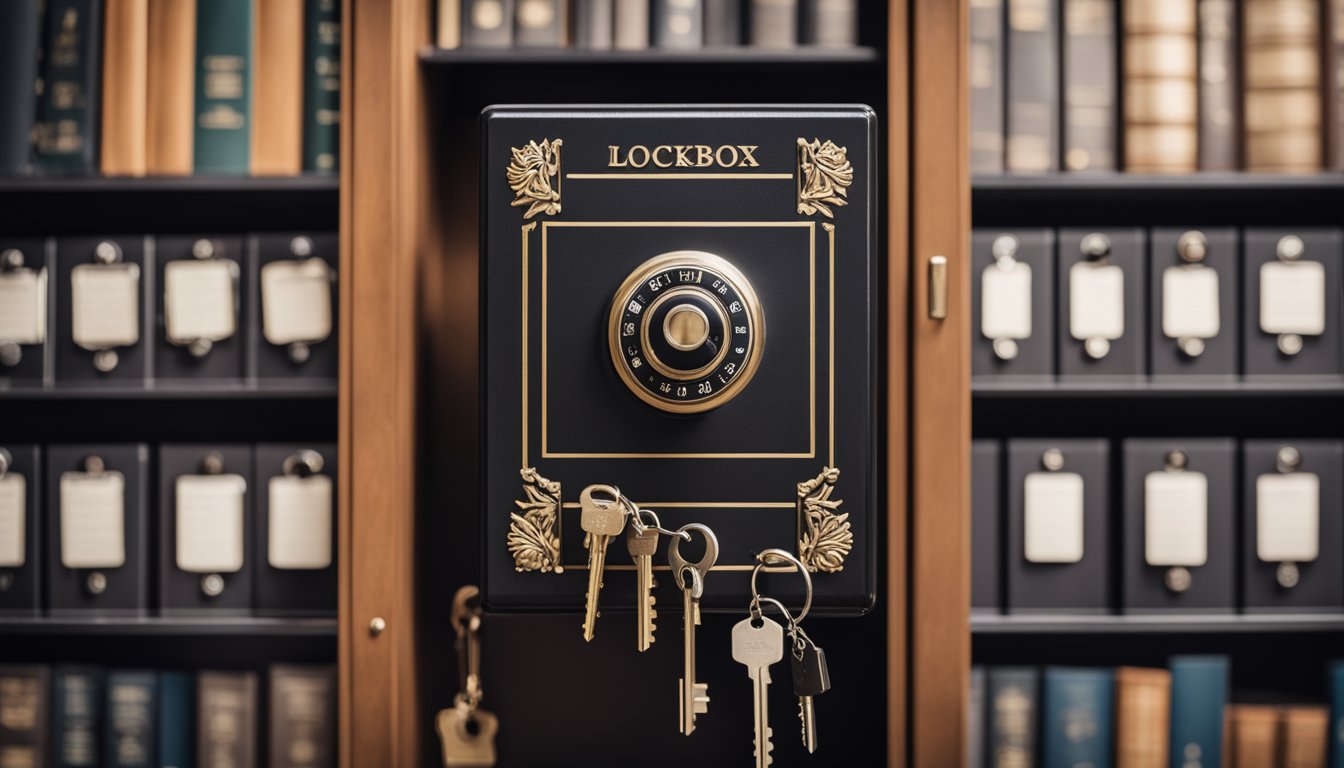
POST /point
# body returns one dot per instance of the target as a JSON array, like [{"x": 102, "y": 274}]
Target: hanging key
[
  {"x": 642, "y": 541},
  {"x": 810, "y": 679},
  {"x": 757, "y": 647},
  {"x": 690, "y": 577},
  {"x": 601, "y": 518}
]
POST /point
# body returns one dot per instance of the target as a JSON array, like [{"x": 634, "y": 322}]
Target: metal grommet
[
  {"x": 1287, "y": 575},
  {"x": 1177, "y": 579},
  {"x": 1192, "y": 247},
  {"x": 6, "y": 580},
  {"x": 299, "y": 352},
  {"x": 203, "y": 249},
  {"x": 1290, "y": 248},
  {"x": 1289, "y": 344},
  {"x": 1005, "y": 349},
  {"x": 11, "y": 258},
  {"x": 11, "y": 354},
  {"x": 94, "y": 464},
  {"x": 107, "y": 252},
  {"x": 105, "y": 360},
  {"x": 1287, "y": 459},
  {"x": 212, "y": 585},
  {"x": 1052, "y": 459},
  {"x": 1096, "y": 347},
  {"x": 212, "y": 463},
  {"x": 96, "y": 583},
  {"x": 301, "y": 246},
  {"x": 1095, "y": 245},
  {"x": 1191, "y": 346},
  {"x": 1175, "y": 461},
  {"x": 1004, "y": 248},
  {"x": 200, "y": 347},
  {"x": 303, "y": 463}
]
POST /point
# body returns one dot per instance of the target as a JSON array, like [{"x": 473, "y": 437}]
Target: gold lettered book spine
[
  {"x": 1334, "y": 86},
  {"x": 1218, "y": 135},
  {"x": 277, "y": 82},
  {"x": 1090, "y": 100},
  {"x": 1282, "y": 96},
  {"x": 1305, "y": 732},
  {"x": 1255, "y": 736},
  {"x": 1161, "y": 114},
  {"x": 171, "y": 87},
  {"x": 125, "y": 87},
  {"x": 1142, "y": 717}
]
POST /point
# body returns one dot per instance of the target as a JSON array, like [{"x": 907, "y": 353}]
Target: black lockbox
[
  {"x": 1032, "y": 357},
  {"x": 125, "y": 365},
  {"x": 21, "y": 560},
  {"x": 1205, "y": 249},
  {"x": 283, "y": 589},
  {"x": 1122, "y": 357}
]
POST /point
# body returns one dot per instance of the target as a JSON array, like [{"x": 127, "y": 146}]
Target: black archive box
[
  {"x": 318, "y": 357},
  {"x": 183, "y": 358},
  {"x": 1122, "y": 357},
  {"x": 20, "y": 506},
  {"x": 1294, "y": 586},
  {"x": 200, "y": 588},
  {"x": 288, "y": 588},
  {"x": 1269, "y": 353},
  {"x": 986, "y": 525},
  {"x": 84, "y": 575},
  {"x": 1183, "y": 253},
  {"x": 23, "y": 363},
  {"x": 123, "y": 364},
  {"x": 1209, "y": 587},
  {"x": 1034, "y": 355},
  {"x": 1080, "y": 586}
]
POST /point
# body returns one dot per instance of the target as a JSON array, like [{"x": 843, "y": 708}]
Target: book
[
  {"x": 985, "y": 75},
  {"x": 171, "y": 88},
  {"x": 1334, "y": 85},
  {"x": 226, "y": 719},
  {"x": 723, "y": 23},
  {"x": 541, "y": 24},
  {"x": 975, "y": 721},
  {"x": 593, "y": 20},
  {"x": 1090, "y": 99},
  {"x": 322, "y": 86},
  {"x": 302, "y": 706},
  {"x": 177, "y": 719},
  {"x": 678, "y": 23},
  {"x": 223, "y": 103},
  {"x": 276, "y": 141},
  {"x": 1254, "y": 738},
  {"x": 1076, "y": 715},
  {"x": 448, "y": 31},
  {"x": 76, "y": 716},
  {"x": 67, "y": 122},
  {"x": 1142, "y": 717},
  {"x": 1198, "y": 695},
  {"x": 1305, "y": 733},
  {"x": 1032, "y": 87},
  {"x": 24, "y": 726},
  {"x": 1160, "y": 102},
  {"x": 132, "y": 716},
  {"x": 774, "y": 23},
  {"x": 19, "y": 33},
  {"x": 1336, "y": 680},
  {"x": 1011, "y": 719},
  {"x": 125, "y": 88},
  {"x": 631, "y": 31},
  {"x": 831, "y": 23},
  {"x": 1281, "y": 97},
  {"x": 487, "y": 23},
  {"x": 1218, "y": 123}
]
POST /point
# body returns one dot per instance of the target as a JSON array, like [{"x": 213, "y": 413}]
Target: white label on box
[
  {"x": 198, "y": 300},
  {"x": 1053, "y": 517},
  {"x": 1096, "y": 301},
  {"x": 210, "y": 523},
  {"x": 299, "y": 529},
  {"x": 1190, "y": 303},
  {"x": 1005, "y": 301},
  {"x": 23, "y": 306},
  {"x": 13, "y": 517},
  {"x": 1288, "y": 517},
  {"x": 1176, "y": 518},
  {"x": 1292, "y": 297},
  {"x": 296, "y": 301},
  {"x": 93, "y": 520},
  {"x": 105, "y": 305}
]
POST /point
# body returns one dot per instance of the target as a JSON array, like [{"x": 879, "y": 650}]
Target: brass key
[
  {"x": 642, "y": 541},
  {"x": 601, "y": 519},
  {"x": 690, "y": 577}
]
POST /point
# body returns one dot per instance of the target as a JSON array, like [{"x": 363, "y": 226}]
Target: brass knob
[{"x": 686, "y": 327}]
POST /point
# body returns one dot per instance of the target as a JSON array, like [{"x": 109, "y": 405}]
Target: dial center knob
[{"x": 686, "y": 327}]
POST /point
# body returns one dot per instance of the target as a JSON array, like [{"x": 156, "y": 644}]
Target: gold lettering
[
  {"x": 658, "y": 149},
  {"x": 704, "y": 156},
  {"x": 683, "y": 161},
  {"x": 630, "y": 156},
  {"x": 615, "y": 159},
  {"x": 718, "y": 156},
  {"x": 747, "y": 160}
]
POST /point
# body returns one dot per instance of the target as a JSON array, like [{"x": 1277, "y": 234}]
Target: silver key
[
  {"x": 690, "y": 577},
  {"x": 757, "y": 648},
  {"x": 642, "y": 541},
  {"x": 601, "y": 518}
]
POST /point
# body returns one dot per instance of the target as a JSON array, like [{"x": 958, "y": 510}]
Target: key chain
[{"x": 466, "y": 731}]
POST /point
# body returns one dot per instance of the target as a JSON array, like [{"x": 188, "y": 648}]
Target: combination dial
[{"x": 686, "y": 331}]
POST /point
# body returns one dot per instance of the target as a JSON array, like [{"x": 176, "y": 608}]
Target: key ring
[
  {"x": 679, "y": 564},
  {"x": 763, "y": 559},
  {"x": 657, "y": 524}
]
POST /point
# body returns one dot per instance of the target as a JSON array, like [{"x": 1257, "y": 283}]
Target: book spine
[
  {"x": 774, "y": 23},
  {"x": 541, "y": 24},
  {"x": 632, "y": 25},
  {"x": 224, "y": 41},
  {"x": 1334, "y": 81},
  {"x": 975, "y": 721},
  {"x": 177, "y": 720},
  {"x": 1198, "y": 695},
  {"x": 1281, "y": 98},
  {"x": 19, "y": 33},
  {"x": 77, "y": 703},
  {"x": 67, "y": 129},
  {"x": 24, "y": 728},
  {"x": 276, "y": 143},
  {"x": 302, "y": 706},
  {"x": 678, "y": 24},
  {"x": 487, "y": 23},
  {"x": 1077, "y": 717},
  {"x": 1091, "y": 108},
  {"x": 1032, "y": 92},
  {"x": 831, "y": 23},
  {"x": 1305, "y": 736},
  {"x": 593, "y": 20},
  {"x": 125, "y": 87},
  {"x": 1012, "y": 715},
  {"x": 1218, "y": 122},
  {"x": 226, "y": 725},
  {"x": 1255, "y": 736},
  {"x": 986, "y": 83},
  {"x": 448, "y": 34},
  {"x": 1337, "y": 714},
  {"x": 322, "y": 87},
  {"x": 723, "y": 23},
  {"x": 132, "y": 704},
  {"x": 1161, "y": 105},
  {"x": 1142, "y": 717},
  {"x": 171, "y": 87}
]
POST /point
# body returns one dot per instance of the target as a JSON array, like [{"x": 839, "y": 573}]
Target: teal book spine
[
  {"x": 322, "y": 86},
  {"x": 132, "y": 715},
  {"x": 1077, "y": 717},
  {"x": 223, "y": 124},
  {"x": 1198, "y": 696},
  {"x": 77, "y": 716},
  {"x": 1337, "y": 714},
  {"x": 66, "y": 138},
  {"x": 1013, "y": 714},
  {"x": 177, "y": 720}
]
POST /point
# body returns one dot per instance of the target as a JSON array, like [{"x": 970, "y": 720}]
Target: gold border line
[
  {"x": 830, "y": 344},
  {"x": 643, "y": 176},
  {"x": 527, "y": 228},
  {"x": 656, "y": 505}
]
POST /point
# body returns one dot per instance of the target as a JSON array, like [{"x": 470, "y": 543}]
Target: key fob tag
[{"x": 810, "y": 677}]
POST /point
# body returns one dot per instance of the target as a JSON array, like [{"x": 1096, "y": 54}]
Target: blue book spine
[
  {"x": 1337, "y": 714},
  {"x": 1011, "y": 723},
  {"x": 1077, "y": 719},
  {"x": 1198, "y": 697},
  {"x": 177, "y": 720},
  {"x": 132, "y": 704},
  {"x": 77, "y": 709}
]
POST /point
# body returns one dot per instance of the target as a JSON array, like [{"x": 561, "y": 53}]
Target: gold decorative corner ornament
[
  {"x": 824, "y": 175},
  {"x": 824, "y": 537},
  {"x": 534, "y": 177},
  {"x": 532, "y": 538}
]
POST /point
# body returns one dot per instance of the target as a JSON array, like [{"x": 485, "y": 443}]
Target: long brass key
[
  {"x": 601, "y": 518},
  {"x": 757, "y": 648},
  {"x": 642, "y": 541},
  {"x": 690, "y": 577}
]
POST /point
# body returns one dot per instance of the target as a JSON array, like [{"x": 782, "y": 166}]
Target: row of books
[
  {"x": 77, "y": 715},
  {"x": 640, "y": 24},
  {"x": 1137, "y": 717},
  {"x": 170, "y": 87},
  {"x": 1191, "y": 94},
  {"x": 208, "y": 529}
]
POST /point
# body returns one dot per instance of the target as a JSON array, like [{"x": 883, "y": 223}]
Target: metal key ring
[
  {"x": 657, "y": 524},
  {"x": 679, "y": 563},
  {"x": 756, "y": 611},
  {"x": 763, "y": 559}
]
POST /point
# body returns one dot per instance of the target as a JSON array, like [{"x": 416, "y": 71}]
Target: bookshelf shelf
[
  {"x": 998, "y": 624},
  {"x": 1298, "y": 386},
  {"x": 175, "y": 391},
  {"x": 163, "y": 626},
  {"x": 803, "y": 56}
]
